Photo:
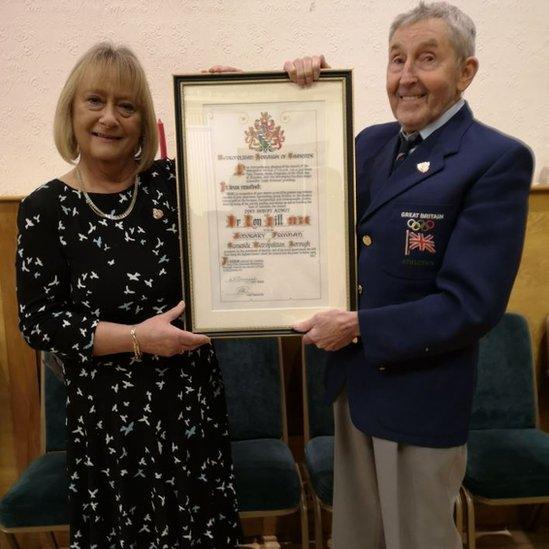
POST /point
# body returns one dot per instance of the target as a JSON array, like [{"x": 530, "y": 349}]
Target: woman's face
[{"x": 106, "y": 121}]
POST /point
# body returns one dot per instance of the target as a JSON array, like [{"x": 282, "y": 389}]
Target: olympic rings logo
[{"x": 421, "y": 224}]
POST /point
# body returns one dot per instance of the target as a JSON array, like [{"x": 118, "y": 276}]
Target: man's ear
[{"x": 468, "y": 69}]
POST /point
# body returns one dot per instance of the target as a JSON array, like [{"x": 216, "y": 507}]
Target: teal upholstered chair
[
  {"x": 508, "y": 456},
  {"x": 318, "y": 432},
  {"x": 268, "y": 482},
  {"x": 319, "y": 440},
  {"x": 37, "y": 502}
]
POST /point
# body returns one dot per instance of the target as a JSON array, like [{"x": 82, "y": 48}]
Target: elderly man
[{"x": 441, "y": 212}]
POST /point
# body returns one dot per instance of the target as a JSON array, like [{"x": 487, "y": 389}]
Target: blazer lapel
[
  {"x": 424, "y": 162},
  {"x": 382, "y": 165}
]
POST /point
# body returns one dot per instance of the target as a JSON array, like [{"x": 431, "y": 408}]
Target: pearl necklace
[{"x": 100, "y": 213}]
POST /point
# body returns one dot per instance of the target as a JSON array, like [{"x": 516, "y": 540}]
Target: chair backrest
[
  {"x": 505, "y": 396},
  {"x": 53, "y": 397},
  {"x": 318, "y": 416},
  {"x": 254, "y": 388}
]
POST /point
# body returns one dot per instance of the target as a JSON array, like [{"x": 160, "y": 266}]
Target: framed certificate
[{"x": 265, "y": 173}]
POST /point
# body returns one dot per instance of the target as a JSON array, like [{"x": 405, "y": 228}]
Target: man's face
[{"x": 424, "y": 76}]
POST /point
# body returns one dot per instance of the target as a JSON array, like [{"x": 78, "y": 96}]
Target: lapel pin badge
[
  {"x": 158, "y": 214},
  {"x": 423, "y": 167}
]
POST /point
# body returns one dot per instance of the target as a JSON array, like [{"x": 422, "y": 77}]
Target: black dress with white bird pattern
[{"x": 148, "y": 451}]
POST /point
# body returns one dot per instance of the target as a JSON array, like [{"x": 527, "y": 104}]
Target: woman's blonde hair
[{"x": 121, "y": 65}]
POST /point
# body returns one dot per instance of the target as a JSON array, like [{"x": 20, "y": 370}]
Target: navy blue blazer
[{"x": 439, "y": 245}]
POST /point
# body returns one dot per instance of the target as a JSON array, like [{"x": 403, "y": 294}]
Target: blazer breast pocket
[{"x": 415, "y": 239}]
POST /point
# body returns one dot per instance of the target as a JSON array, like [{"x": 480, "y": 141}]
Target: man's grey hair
[{"x": 462, "y": 28}]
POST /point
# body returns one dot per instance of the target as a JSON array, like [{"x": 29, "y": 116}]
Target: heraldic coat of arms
[{"x": 264, "y": 135}]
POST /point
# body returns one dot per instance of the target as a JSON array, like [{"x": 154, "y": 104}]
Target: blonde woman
[{"x": 148, "y": 453}]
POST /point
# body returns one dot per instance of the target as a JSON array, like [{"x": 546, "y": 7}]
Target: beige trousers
[{"x": 389, "y": 495}]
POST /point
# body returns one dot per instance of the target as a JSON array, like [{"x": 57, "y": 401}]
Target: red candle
[{"x": 162, "y": 139}]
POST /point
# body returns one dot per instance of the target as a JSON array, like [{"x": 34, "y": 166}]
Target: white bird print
[
  {"x": 128, "y": 429},
  {"x": 145, "y": 419},
  {"x": 134, "y": 276}
]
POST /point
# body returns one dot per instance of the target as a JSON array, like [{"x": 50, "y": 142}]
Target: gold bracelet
[{"x": 136, "y": 350}]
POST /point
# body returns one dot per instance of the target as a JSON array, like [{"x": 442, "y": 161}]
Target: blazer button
[
  {"x": 367, "y": 240},
  {"x": 359, "y": 289}
]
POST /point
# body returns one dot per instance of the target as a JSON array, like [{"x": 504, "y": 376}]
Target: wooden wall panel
[
  {"x": 530, "y": 295},
  {"x": 19, "y": 399}
]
